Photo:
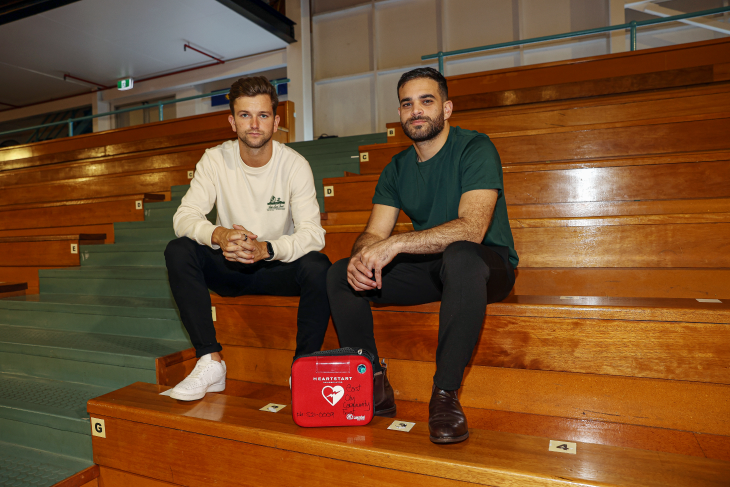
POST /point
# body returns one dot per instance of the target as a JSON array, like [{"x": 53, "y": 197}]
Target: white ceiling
[{"x": 107, "y": 40}]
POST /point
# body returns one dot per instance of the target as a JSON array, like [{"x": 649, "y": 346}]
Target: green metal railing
[
  {"x": 160, "y": 104},
  {"x": 632, "y": 26}
]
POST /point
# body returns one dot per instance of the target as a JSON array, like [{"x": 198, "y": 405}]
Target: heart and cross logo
[{"x": 333, "y": 394}]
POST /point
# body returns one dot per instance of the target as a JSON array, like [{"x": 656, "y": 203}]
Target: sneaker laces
[{"x": 195, "y": 376}]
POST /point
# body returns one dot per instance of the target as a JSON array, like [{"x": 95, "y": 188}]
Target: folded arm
[{"x": 375, "y": 249}]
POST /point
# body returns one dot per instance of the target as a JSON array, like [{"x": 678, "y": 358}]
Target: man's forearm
[
  {"x": 363, "y": 241},
  {"x": 436, "y": 239}
]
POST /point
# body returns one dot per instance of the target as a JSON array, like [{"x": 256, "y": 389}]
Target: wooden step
[
  {"x": 528, "y": 332},
  {"x": 678, "y": 65},
  {"x": 642, "y": 106},
  {"x": 152, "y": 181},
  {"x": 235, "y": 428},
  {"x": 45, "y": 250},
  {"x": 655, "y": 241},
  {"x": 74, "y": 213},
  {"x": 593, "y": 431},
  {"x": 692, "y": 283},
  {"x": 639, "y": 352},
  {"x": 581, "y": 143},
  {"x": 210, "y": 128},
  {"x": 186, "y": 156},
  {"x": 606, "y": 185}
]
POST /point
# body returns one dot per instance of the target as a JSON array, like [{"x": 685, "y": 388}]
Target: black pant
[
  {"x": 465, "y": 278},
  {"x": 193, "y": 269}
]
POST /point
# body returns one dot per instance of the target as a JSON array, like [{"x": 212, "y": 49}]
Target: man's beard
[
  {"x": 427, "y": 131},
  {"x": 255, "y": 145}
]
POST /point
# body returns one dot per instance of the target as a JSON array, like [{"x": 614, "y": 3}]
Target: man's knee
[
  {"x": 463, "y": 257},
  {"x": 337, "y": 274},
  {"x": 178, "y": 250},
  {"x": 314, "y": 265}
]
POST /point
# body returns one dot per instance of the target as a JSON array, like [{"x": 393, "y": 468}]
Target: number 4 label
[{"x": 562, "y": 446}]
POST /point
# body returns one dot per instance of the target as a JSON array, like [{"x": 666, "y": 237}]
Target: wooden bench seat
[
  {"x": 674, "y": 240},
  {"x": 672, "y": 256},
  {"x": 639, "y": 106},
  {"x": 608, "y": 184},
  {"x": 622, "y": 360},
  {"x": 206, "y": 129},
  {"x": 45, "y": 250},
  {"x": 130, "y": 183},
  {"x": 568, "y": 429},
  {"x": 39, "y": 218},
  {"x": 266, "y": 448},
  {"x": 186, "y": 157},
  {"x": 22, "y": 256},
  {"x": 648, "y": 69},
  {"x": 595, "y": 141}
]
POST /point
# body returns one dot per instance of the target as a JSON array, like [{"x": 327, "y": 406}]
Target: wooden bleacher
[
  {"x": 646, "y": 169},
  {"x": 85, "y": 184},
  {"x": 616, "y": 178}
]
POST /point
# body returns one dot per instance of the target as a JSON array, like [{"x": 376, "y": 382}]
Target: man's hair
[
  {"x": 429, "y": 73},
  {"x": 252, "y": 86}
]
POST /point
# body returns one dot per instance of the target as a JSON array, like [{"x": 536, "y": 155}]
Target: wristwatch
[{"x": 270, "y": 249}]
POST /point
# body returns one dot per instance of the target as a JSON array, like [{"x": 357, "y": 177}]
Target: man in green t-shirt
[{"x": 461, "y": 252}]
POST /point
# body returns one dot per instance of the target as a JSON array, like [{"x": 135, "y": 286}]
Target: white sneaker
[{"x": 207, "y": 376}]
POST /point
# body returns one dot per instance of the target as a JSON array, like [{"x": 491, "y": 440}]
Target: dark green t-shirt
[{"x": 429, "y": 192}]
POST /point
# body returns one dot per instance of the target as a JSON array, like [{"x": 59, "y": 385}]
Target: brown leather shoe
[
  {"x": 446, "y": 419},
  {"x": 383, "y": 397}
]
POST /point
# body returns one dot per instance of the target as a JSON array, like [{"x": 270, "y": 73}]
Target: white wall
[{"x": 360, "y": 48}]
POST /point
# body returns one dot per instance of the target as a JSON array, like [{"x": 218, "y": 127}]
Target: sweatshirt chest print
[{"x": 275, "y": 204}]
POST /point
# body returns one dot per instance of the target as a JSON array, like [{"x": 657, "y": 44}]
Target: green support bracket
[{"x": 633, "y": 35}]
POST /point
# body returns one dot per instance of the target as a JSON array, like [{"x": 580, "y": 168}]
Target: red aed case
[{"x": 333, "y": 388}]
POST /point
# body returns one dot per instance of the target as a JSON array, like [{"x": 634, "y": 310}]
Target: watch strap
[{"x": 270, "y": 249}]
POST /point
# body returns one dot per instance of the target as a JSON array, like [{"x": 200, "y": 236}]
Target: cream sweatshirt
[{"x": 277, "y": 202}]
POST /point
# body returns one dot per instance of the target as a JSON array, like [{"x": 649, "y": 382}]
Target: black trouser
[
  {"x": 193, "y": 269},
  {"x": 465, "y": 278}
]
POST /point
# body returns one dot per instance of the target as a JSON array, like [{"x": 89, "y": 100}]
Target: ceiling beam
[
  {"x": 264, "y": 16},
  {"x": 13, "y": 10},
  {"x": 653, "y": 9}
]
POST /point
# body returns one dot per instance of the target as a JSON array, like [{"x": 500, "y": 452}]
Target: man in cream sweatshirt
[{"x": 266, "y": 239}]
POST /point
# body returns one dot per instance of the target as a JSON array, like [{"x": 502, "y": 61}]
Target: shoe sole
[
  {"x": 386, "y": 413},
  {"x": 449, "y": 439},
  {"x": 195, "y": 397}
]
